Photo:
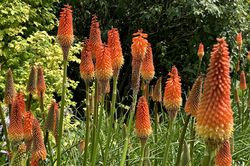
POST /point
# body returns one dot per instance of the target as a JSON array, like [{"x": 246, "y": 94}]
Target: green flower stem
[
  {"x": 95, "y": 122},
  {"x": 181, "y": 140},
  {"x": 156, "y": 116},
  {"x": 130, "y": 122},
  {"x": 93, "y": 162},
  {"x": 87, "y": 124},
  {"x": 208, "y": 159},
  {"x": 29, "y": 102},
  {"x": 5, "y": 128},
  {"x": 168, "y": 140},
  {"x": 242, "y": 115},
  {"x": 143, "y": 145},
  {"x": 110, "y": 127},
  {"x": 61, "y": 112},
  {"x": 192, "y": 138},
  {"x": 199, "y": 68}
]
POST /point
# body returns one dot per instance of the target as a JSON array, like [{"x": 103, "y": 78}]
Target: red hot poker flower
[
  {"x": 95, "y": 36},
  {"x": 10, "y": 92},
  {"x": 239, "y": 40},
  {"x": 115, "y": 49},
  {"x": 41, "y": 86},
  {"x": 201, "y": 51},
  {"x": 139, "y": 46},
  {"x": 243, "y": 84},
  {"x": 87, "y": 69},
  {"x": 215, "y": 117},
  {"x": 147, "y": 67},
  {"x": 172, "y": 94},
  {"x": 142, "y": 120}
]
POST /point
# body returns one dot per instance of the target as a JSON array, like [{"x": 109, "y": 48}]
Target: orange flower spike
[
  {"x": 243, "y": 84},
  {"x": 41, "y": 86},
  {"x": 215, "y": 117},
  {"x": 28, "y": 119},
  {"x": 224, "y": 156},
  {"x": 95, "y": 36},
  {"x": 191, "y": 106},
  {"x": 87, "y": 69},
  {"x": 10, "y": 92},
  {"x": 239, "y": 40},
  {"x": 32, "y": 84},
  {"x": 172, "y": 94},
  {"x": 15, "y": 130},
  {"x": 142, "y": 120},
  {"x": 147, "y": 68},
  {"x": 65, "y": 35},
  {"x": 139, "y": 46},
  {"x": 38, "y": 151},
  {"x": 200, "y": 52},
  {"x": 103, "y": 64},
  {"x": 19, "y": 156},
  {"x": 115, "y": 49}
]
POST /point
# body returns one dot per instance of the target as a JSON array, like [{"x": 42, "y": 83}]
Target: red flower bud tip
[
  {"x": 41, "y": 86},
  {"x": 239, "y": 40},
  {"x": 243, "y": 84},
  {"x": 10, "y": 92},
  {"x": 200, "y": 51}
]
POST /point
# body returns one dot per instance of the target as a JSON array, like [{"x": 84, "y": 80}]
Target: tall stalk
[
  {"x": 110, "y": 127},
  {"x": 130, "y": 122},
  {"x": 4, "y": 128},
  {"x": 95, "y": 122},
  {"x": 94, "y": 154},
  {"x": 156, "y": 116},
  {"x": 181, "y": 140},
  {"x": 168, "y": 140},
  {"x": 87, "y": 124},
  {"x": 192, "y": 138},
  {"x": 143, "y": 145},
  {"x": 61, "y": 112}
]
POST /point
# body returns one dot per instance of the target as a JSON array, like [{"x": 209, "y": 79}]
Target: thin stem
[
  {"x": 130, "y": 122},
  {"x": 181, "y": 139},
  {"x": 93, "y": 162},
  {"x": 95, "y": 123},
  {"x": 209, "y": 158},
  {"x": 143, "y": 143},
  {"x": 199, "y": 68},
  {"x": 110, "y": 127},
  {"x": 87, "y": 124},
  {"x": 61, "y": 112},
  {"x": 5, "y": 129},
  {"x": 147, "y": 91},
  {"x": 192, "y": 138},
  {"x": 156, "y": 116},
  {"x": 168, "y": 140},
  {"x": 242, "y": 115}
]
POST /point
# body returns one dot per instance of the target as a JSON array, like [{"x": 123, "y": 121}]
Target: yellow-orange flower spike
[
  {"x": 157, "y": 93},
  {"x": 28, "y": 119},
  {"x": 15, "y": 130},
  {"x": 87, "y": 69},
  {"x": 142, "y": 120},
  {"x": 243, "y": 84},
  {"x": 95, "y": 36},
  {"x": 223, "y": 156},
  {"x": 32, "y": 84},
  {"x": 41, "y": 86},
  {"x": 9, "y": 93},
  {"x": 38, "y": 150},
  {"x": 200, "y": 52},
  {"x": 172, "y": 94},
  {"x": 215, "y": 117},
  {"x": 115, "y": 49},
  {"x": 139, "y": 46},
  {"x": 65, "y": 35},
  {"x": 192, "y": 103},
  {"x": 103, "y": 64},
  {"x": 147, "y": 67},
  {"x": 239, "y": 40}
]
